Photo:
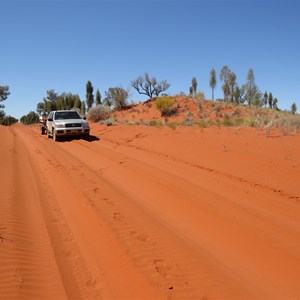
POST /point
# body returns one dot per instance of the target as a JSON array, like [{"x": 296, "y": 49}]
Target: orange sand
[{"x": 149, "y": 213}]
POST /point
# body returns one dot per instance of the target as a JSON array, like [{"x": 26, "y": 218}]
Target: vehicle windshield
[{"x": 62, "y": 115}]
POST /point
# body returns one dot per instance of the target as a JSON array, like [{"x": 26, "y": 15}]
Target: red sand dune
[{"x": 149, "y": 213}]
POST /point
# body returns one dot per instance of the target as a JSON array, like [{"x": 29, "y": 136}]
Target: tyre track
[
  {"x": 27, "y": 267},
  {"x": 206, "y": 169},
  {"x": 179, "y": 230}
]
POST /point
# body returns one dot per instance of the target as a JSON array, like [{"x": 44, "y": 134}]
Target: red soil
[
  {"x": 187, "y": 109},
  {"x": 149, "y": 213}
]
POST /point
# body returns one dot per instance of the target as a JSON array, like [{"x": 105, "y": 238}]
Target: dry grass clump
[
  {"x": 156, "y": 123},
  {"x": 108, "y": 122},
  {"x": 288, "y": 124},
  {"x": 172, "y": 125},
  {"x": 99, "y": 113}
]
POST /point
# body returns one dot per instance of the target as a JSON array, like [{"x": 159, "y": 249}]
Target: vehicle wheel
[{"x": 54, "y": 136}]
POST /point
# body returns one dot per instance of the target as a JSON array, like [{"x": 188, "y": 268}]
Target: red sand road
[{"x": 149, "y": 213}]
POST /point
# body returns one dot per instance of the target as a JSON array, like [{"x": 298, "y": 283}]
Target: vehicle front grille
[{"x": 71, "y": 125}]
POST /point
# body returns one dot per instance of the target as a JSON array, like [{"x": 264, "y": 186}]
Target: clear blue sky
[{"x": 61, "y": 44}]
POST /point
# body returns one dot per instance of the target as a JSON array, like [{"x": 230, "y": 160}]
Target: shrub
[
  {"x": 236, "y": 111},
  {"x": 118, "y": 96},
  {"x": 250, "y": 121},
  {"x": 108, "y": 122},
  {"x": 188, "y": 119},
  {"x": 172, "y": 125},
  {"x": 202, "y": 123},
  {"x": 200, "y": 96},
  {"x": 99, "y": 113},
  {"x": 164, "y": 104},
  {"x": 156, "y": 123},
  {"x": 294, "y": 108},
  {"x": 200, "y": 107},
  {"x": 227, "y": 121}
]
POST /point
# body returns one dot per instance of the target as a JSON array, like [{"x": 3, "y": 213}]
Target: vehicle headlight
[
  {"x": 85, "y": 125},
  {"x": 60, "y": 125}
]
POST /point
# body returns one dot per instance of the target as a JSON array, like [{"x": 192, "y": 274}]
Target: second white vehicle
[{"x": 67, "y": 123}]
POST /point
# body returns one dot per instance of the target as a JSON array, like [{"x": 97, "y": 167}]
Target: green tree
[
  {"x": 265, "y": 98},
  {"x": 30, "y": 118},
  {"x": 250, "y": 86},
  {"x": 69, "y": 99},
  {"x": 98, "y": 97},
  {"x": 50, "y": 101},
  {"x": 8, "y": 120},
  {"x": 118, "y": 96},
  {"x": 232, "y": 85},
  {"x": 149, "y": 86},
  {"x": 224, "y": 76},
  {"x": 82, "y": 108},
  {"x": 270, "y": 100},
  {"x": 237, "y": 95},
  {"x": 194, "y": 86},
  {"x": 252, "y": 93},
  {"x": 40, "y": 106},
  {"x": 77, "y": 103},
  {"x": 294, "y": 108},
  {"x": 4, "y": 93},
  {"x": 107, "y": 101},
  {"x": 212, "y": 81},
  {"x": 275, "y": 101},
  {"x": 89, "y": 95},
  {"x": 51, "y": 95}
]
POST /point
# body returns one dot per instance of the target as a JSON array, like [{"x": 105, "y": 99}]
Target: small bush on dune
[
  {"x": 99, "y": 113},
  {"x": 227, "y": 120},
  {"x": 156, "y": 123},
  {"x": 172, "y": 125},
  {"x": 108, "y": 122},
  {"x": 250, "y": 121},
  {"x": 202, "y": 123},
  {"x": 164, "y": 104}
]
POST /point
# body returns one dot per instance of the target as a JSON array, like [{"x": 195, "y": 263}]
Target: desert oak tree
[{"x": 149, "y": 86}]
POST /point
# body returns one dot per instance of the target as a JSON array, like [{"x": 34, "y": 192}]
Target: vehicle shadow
[{"x": 91, "y": 139}]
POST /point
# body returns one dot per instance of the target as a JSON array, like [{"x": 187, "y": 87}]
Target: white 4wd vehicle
[{"x": 66, "y": 123}]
